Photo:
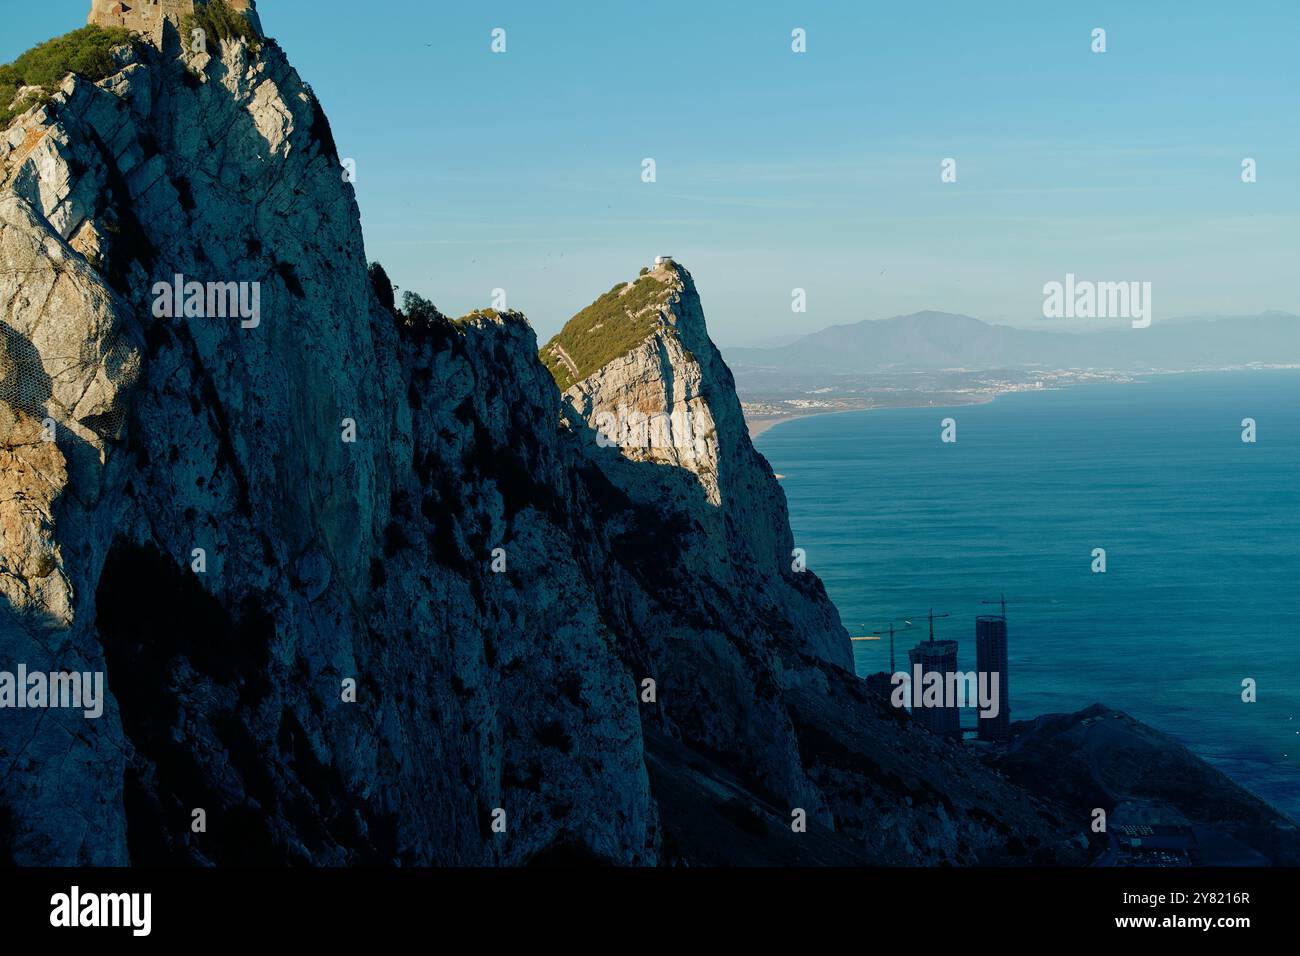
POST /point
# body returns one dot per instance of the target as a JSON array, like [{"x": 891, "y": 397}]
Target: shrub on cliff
[
  {"x": 219, "y": 23},
  {"x": 613, "y": 325},
  {"x": 420, "y": 319},
  {"x": 86, "y": 52},
  {"x": 383, "y": 287}
]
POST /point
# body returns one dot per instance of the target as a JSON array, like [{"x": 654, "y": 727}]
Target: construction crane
[
  {"x": 932, "y": 617},
  {"x": 907, "y": 625},
  {"x": 1002, "y": 600}
]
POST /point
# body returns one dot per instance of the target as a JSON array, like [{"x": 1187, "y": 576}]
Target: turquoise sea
[{"x": 1201, "y": 533}]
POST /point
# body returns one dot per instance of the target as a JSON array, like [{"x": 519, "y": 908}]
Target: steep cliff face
[
  {"x": 671, "y": 400},
  {"x": 322, "y": 559},
  {"x": 215, "y": 169},
  {"x": 663, "y": 424},
  {"x": 237, "y": 516}
]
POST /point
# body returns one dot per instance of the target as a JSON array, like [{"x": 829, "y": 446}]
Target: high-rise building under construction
[
  {"x": 990, "y": 659},
  {"x": 939, "y": 657}
]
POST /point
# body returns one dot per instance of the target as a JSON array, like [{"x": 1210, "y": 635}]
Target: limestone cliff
[
  {"x": 237, "y": 516},
  {"x": 670, "y": 400}
]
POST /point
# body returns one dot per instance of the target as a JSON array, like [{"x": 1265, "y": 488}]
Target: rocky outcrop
[
  {"x": 671, "y": 401},
  {"x": 198, "y": 168},
  {"x": 1099, "y": 758}
]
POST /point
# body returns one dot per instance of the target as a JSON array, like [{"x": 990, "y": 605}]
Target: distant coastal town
[{"x": 765, "y": 408}]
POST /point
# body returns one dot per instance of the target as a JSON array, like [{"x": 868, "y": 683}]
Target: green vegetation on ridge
[
  {"x": 219, "y": 22},
  {"x": 613, "y": 325},
  {"x": 86, "y": 52}
]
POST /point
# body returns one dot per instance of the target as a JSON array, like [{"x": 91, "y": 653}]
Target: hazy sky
[{"x": 818, "y": 170}]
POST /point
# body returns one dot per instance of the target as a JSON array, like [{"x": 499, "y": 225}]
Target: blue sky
[{"x": 820, "y": 170}]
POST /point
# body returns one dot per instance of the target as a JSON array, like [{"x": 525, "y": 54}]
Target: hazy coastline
[
  {"x": 764, "y": 423},
  {"x": 760, "y": 418}
]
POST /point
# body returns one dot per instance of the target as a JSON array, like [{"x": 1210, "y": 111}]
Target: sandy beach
[
  {"x": 759, "y": 425},
  {"x": 762, "y": 423}
]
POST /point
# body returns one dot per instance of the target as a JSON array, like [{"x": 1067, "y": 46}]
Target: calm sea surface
[{"x": 1201, "y": 532}]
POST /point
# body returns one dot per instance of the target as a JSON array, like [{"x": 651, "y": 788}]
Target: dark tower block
[
  {"x": 991, "y": 658},
  {"x": 938, "y": 657}
]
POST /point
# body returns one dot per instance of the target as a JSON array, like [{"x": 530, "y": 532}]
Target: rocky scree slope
[{"x": 371, "y": 560}]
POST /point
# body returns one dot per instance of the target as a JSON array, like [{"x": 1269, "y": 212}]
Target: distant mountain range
[{"x": 927, "y": 341}]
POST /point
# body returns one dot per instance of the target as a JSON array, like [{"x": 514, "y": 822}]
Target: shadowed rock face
[
  {"x": 1100, "y": 757},
  {"x": 195, "y": 443},
  {"x": 325, "y": 560}
]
